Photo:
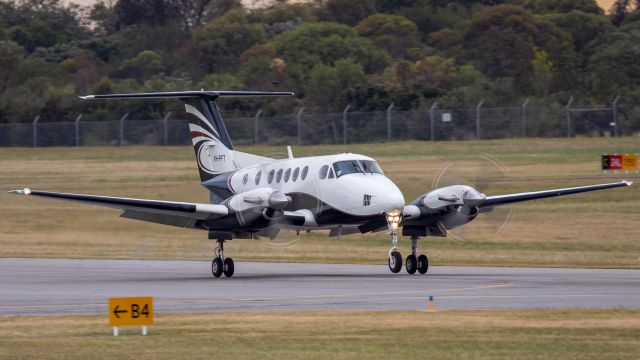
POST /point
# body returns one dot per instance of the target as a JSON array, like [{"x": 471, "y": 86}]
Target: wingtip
[
  {"x": 87, "y": 97},
  {"x": 629, "y": 183},
  {"x": 25, "y": 191}
]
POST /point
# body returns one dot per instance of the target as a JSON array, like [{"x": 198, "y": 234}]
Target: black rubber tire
[
  {"x": 423, "y": 264},
  {"x": 228, "y": 267},
  {"x": 395, "y": 262},
  {"x": 216, "y": 267},
  {"x": 411, "y": 264}
]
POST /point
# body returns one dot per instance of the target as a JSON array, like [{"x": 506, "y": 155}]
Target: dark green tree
[
  {"x": 394, "y": 33},
  {"x": 563, "y": 6},
  {"x": 348, "y": 12},
  {"x": 583, "y": 27},
  {"x": 325, "y": 43},
  {"x": 218, "y": 45},
  {"x": 501, "y": 41}
]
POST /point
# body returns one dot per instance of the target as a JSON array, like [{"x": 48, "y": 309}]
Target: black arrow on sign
[{"x": 116, "y": 311}]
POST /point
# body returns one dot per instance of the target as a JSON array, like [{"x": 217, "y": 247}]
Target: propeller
[{"x": 484, "y": 174}]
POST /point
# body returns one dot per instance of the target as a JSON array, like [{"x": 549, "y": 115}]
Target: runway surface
[{"x": 52, "y": 286}]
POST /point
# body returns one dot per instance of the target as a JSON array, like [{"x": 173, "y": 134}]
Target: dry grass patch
[{"x": 522, "y": 334}]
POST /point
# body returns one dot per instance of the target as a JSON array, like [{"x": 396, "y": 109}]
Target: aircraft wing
[
  {"x": 492, "y": 201},
  {"x": 161, "y": 212}
]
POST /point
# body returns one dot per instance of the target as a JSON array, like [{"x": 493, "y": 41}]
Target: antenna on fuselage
[{"x": 289, "y": 152}]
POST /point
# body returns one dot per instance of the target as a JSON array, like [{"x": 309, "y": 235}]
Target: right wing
[
  {"x": 496, "y": 200},
  {"x": 160, "y": 212}
]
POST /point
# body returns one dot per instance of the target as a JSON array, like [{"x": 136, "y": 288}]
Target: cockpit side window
[
  {"x": 371, "y": 167},
  {"x": 347, "y": 167}
]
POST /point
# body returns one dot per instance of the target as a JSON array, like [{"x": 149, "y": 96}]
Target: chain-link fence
[{"x": 435, "y": 124}]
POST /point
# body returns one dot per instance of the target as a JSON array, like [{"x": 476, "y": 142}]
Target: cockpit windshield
[
  {"x": 371, "y": 167},
  {"x": 347, "y": 167},
  {"x": 356, "y": 166}
]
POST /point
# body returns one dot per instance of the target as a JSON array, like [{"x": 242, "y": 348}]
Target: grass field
[
  {"x": 502, "y": 334},
  {"x": 599, "y": 229}
]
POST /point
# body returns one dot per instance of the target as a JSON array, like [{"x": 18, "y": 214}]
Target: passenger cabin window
[
  {"x": 305, "y": 171},
  {"x": 279, "y": 176},
  {"x": 258, "y": 175},
  {"x": 347, "y": 167},
  {"x": 245, "y": 178},
  {"x": 371, "y": 167},
  {"x": 287, "y": 175},
  {"x": 272, "y": 173},
  {"x": 323, "y": 172},
  {"x": 296, "y": 172}
]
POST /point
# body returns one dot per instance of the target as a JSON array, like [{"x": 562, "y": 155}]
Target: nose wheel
[
  {"x": 395, "y": 258},
  {"x": 221, "y": 265}
]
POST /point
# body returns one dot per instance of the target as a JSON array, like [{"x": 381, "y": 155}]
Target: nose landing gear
[
  {"x": 395, "y": 258},
  {"x": 221, "y": 265}
]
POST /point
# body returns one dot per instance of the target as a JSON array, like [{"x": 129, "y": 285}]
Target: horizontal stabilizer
[{"x": 211, "y": 95}]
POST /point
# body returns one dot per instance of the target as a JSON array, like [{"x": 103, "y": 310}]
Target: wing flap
[
  {"x": 164, "y": 219},
  {"x": 491, "y": 201}
]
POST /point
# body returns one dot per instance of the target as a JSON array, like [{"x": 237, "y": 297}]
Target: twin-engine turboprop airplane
[{"x": 258, "y": 196}]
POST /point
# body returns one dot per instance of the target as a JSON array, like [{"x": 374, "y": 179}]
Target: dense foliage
[{"x": 330, "y": 52}]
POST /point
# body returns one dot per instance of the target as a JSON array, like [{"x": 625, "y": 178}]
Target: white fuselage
[{"x": 316, "y": 179}]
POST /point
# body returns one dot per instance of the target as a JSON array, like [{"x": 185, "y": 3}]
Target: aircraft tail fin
[{"x": 211, "y": 141}]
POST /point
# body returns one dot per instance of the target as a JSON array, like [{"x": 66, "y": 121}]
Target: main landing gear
[
  {"x": 414, "y": 262},
  {"x": 221, "y": 265}
]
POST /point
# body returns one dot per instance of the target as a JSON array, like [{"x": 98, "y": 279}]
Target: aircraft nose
[{"x": 393, "y": 200}]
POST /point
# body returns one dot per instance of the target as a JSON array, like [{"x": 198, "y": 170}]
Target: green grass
[
  {"x": 502, "y": 334},
  {"x": 589, "y": 230}
]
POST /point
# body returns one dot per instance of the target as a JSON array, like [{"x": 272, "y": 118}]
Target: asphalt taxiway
[{"x": 62, "y": 286}]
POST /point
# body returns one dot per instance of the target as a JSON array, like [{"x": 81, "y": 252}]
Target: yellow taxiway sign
[{"x": 135, "y": 311}]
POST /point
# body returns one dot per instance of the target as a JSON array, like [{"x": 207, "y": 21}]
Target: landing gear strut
[
  {"x": 220, "y": 264},
  {"x": 395, "y": 258},
  {"x": 415, "y": 262}
]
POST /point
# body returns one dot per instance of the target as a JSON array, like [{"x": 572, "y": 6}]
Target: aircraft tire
[
  {"x": 395, "y": 262},
  {"x": 411, "y": 264},
  {"x": 423, "y": 264},
  {"x": 228, "y": 267},
  {"x": 216, "y": 267}
]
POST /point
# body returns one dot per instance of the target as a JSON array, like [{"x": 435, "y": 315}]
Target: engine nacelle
[
  {"x": 262, "y": 198},
  {"x": 441, "y": 209}
]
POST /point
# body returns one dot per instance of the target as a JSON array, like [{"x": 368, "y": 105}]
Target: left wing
[
  {"x": 161, "y": 212},
  {"x": 491, "y": 201}
]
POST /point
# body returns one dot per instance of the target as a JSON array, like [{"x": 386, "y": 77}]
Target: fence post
[
  {"x": 524, "y": 118},
  {"x": 121, "y": 137},
  {"x": 478, "y": 119},
  {"x": 35, "y": 130},
  {"x": 615, "y": 115},
  {"x": 255, "y": 126},
  {"x": 299, "y": 124},
  {"x": 389, "y": 121},
  {"x": 569, "y": 103},
  {"x": 432, "y": 120},
  {"x": 344, "y": 123},
  {"x": 165, "y": 120},
  {"x": 78, "y": 129}
]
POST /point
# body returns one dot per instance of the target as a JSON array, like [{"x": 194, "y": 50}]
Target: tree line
[{"x": 366, "y": 53}]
